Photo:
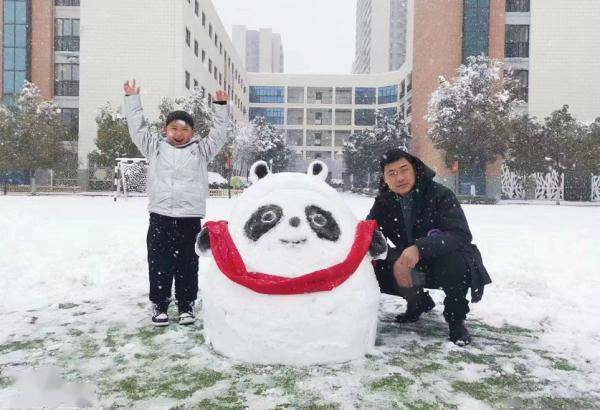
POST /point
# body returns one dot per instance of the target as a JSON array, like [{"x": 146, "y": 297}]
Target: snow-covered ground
[{"x": 73, "y": 301}]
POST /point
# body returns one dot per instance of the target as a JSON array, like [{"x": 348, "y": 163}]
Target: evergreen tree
[{"x": 268, "y": 144}]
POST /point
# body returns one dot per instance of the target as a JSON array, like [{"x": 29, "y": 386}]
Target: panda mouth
[{"x": 293, "y": 242}]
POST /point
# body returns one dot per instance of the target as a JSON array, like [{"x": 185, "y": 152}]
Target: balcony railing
[
  {"x": 517, "y": 49},
  {"x": 66, "y": 43},
  {"x": 66, "y": 88}
]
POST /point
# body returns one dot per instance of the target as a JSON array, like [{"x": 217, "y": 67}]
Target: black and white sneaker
[
  {"x": 186, "y": 313},
  {"x": 160, "y": 317}
]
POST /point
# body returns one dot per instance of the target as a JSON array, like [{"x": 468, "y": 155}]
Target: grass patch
[
  {"x": 496, "y": 390},
  {"x": 395, "y": 383},
  {"x": 21, "y": 345}
]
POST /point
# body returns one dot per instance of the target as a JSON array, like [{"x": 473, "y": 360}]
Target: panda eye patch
[
  {"x": 262, "y": 220},
  {"x": 322, "y": 223}
]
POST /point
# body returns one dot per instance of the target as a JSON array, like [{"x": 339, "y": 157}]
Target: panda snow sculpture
[{"x": 290, "y": 280}]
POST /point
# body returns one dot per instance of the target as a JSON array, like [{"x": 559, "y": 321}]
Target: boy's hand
[
  {"x": 130, "y": 89},
  {"x": 221, "y": 97}
]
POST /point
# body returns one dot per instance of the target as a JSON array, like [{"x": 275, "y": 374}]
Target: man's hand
[
  {"x": 410, "y": 256},
  {"x": 221, "y": 97},
  {"x": 130, "y": 89},
  {"x": 402, "y": 275}
]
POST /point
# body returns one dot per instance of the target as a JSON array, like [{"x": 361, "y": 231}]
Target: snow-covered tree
[
  {"x": 268, "y": 144},
  {"x": 32, "y": 133},
  {"x": 113, "y": 140},
  {"x": 364, "y": 148},
  {"x": 470, "y": 117},
  {"x": 195, "y": 104},
  {"x": 525, "y": 153}
]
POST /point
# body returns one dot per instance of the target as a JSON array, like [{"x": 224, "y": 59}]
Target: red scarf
[{"x": 230, "y": 262}]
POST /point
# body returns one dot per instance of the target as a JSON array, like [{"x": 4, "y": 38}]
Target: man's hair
[
  {"x": 393, "y": 155},
  {"x": 180, "y": 115}
]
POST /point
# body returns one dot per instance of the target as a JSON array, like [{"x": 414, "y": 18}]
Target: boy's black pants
[
  {"x": 449, "y": 272},
  {"x": 171, "y": 256}
]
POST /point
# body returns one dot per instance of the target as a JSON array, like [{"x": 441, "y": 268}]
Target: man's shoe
[
  {"x": 459, "y": 335},
  {"x": 160, "y": 317},
  {"x": 414, "y": 311},
  {"x": 186, "y": 313}
]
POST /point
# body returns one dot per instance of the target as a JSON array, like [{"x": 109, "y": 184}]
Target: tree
[
  {"x": 525, "y": 154},
  {"x": 470, "y": 118},
  {"x": 364, "y": 148},
  {"x": 113, "y": 140},
  {"x": 195, "y": 104},
  {"x": 8, "y": 145},
  {"x": 32, "y": 134},
  {"x": 268, "y": 144}
]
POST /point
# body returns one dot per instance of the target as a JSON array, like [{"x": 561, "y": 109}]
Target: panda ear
[
  {"x": 259, "y": 170},
  {"x": 318, "y": 169}
]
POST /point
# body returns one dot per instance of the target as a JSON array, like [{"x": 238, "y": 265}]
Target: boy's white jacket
[{"x": 177, "y": 176}]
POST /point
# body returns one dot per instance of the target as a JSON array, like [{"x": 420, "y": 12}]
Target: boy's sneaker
[
  {"x": 160, "y": 317},
  {"x": 186, "y": 313}
]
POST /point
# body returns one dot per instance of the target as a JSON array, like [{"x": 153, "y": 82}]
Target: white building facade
[{"x": 261, "y": 50}]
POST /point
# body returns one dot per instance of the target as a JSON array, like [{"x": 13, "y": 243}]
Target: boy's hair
[{"x": 180, "y": 115}]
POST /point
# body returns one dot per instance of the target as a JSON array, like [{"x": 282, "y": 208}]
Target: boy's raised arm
[
  {"x": 139, "y": 131},
  {"x": 212, "y": 144}
]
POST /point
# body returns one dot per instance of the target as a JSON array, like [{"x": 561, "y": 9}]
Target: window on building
[
  {"x": 402, "y": 88},
  {"x": 66, "y": 79},
  {"x": 216, "y": 74},
  {"x": 188, "y": 36},
  {"x": 295, "y": 116},
  {"x": 195, "y": 83},
  {"x": 343, "y": 117},
  {"x": 517, "y": 6},
  {"x": 210, "y": 31},
  {"x": 220, "y": 79},
  {"x": 196, "y": 47},
  {"x": 70, "y": 117},
  {"x": 364, "y": 117},
  {"x": 318, "y": 138},
  {"x": 74, "y": 3},
  {"x": 387, "y": 95},
  {"x": 196, "y": 7},
  {"x": 267, "y": 95},
  {"x": 319, "y": 95},
  {"x": 66, "y": 35},
  {"x": 15, "y": 52},
  {"x": 203, "y": 55},
  {"x": 203, "y": 91},
  {"x": 343, "y": 95},
  {"x": 274, "y": 116},
  {"x": 295, "y": 95},
  {"x": 476, "y": 28},
  {"x": 317, "y": 116},
  {"x": 220, "y": 48},
  {"x": 203, "y": 19},
  {"x": 364, "y": 95},
  {"x": 210, "y": 66},
  {"x": 295, "y": 138},
  {"x": 216, "y": 40},
  {"x": 341, "y": 137},
  {"x": 390, "y": 111},
  {"x": 187, "y": 80},
  {"x": 522, "y": 78},
  {"x": 516, "y": 40}
]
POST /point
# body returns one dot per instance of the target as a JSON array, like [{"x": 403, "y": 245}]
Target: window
[
  {"x": 220, "y": 48},
  {"x": 343, "y": 95},
  {"x": 266, "y": 95},
  {"x": 295, "y": 137},
  {"x": 70, "y": 117},
  {"x": 390, "y": 111},
  {"x": 295, "y": 95},
  {"x": 476, "y": 28},
  {"x": 67, "y": 35},
  {"x": 203, "y": 19},
  {"x": 220, "y": 79},
  {"x": 66, "y": 79},
  {"x": 187, "y": 80},
  {"x": 203, "y": 55},
  {"x": 295, "y": 116},
  {"x": 522, "y": 77},
  {"x": 518, "y": 6},
  {"x": 364, "y": 117},
  {"x": 364, "y": 95},
  {"x": 15, "y": 52},
  {"x": 210, "y": 33},
  {"x": 195, "y": 83},
  {"x": 196, "y": 47},
  {"x": 387, "y": 95},
  {"x": 402, "y": 86},
  {"x": 341, "y": 137},
  {"x": 210, "y": 65},
  {"x": 216, "y": 73},
  {"x": 516, "y": 40},
  {"x": 216, "y": 39},
  {"x": 343, "y": 117},
  {"x": 74, "y": 3},
  {"x": 274, "y": 116},
  {"x": 321, "y": 95},
  {"x": 318, "y": 116},
  {"x": 188, "y": 36},
  {"x": 318, "y": 138},
  {"x": 196, "y": 7},
  {"x": 202, "y": 91}
]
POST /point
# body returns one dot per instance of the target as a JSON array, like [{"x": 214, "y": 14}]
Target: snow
[
  {"x": 73, "y": 299},
  {"x": 305, "y": 329},
  {"x": 215, "y": 178}
]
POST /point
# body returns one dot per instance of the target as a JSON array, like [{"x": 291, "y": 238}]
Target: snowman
[{"x": 290, "y": 279}]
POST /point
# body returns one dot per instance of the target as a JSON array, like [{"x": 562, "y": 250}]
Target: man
[{"x": 433, "y": 249}]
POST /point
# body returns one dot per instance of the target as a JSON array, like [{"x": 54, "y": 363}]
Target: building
[
  {"x": 380, "y": 36},
  {"x": 319, "y": 112},
  {"x": 169, "y": 48},
  {"x": 261, "y": 50}
]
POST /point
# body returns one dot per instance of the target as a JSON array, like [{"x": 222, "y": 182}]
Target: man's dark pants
[
  {"x": 448, "y": 272},
  {"x": 171, "y": 256}
]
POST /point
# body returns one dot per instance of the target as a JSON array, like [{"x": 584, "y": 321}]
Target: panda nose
[{"x": 295, "y": 221}]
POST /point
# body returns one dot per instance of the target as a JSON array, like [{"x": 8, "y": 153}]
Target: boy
[{"x": 177, "y": 191}]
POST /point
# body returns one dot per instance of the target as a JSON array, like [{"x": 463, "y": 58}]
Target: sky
[{"x": 317, "y": 35}]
